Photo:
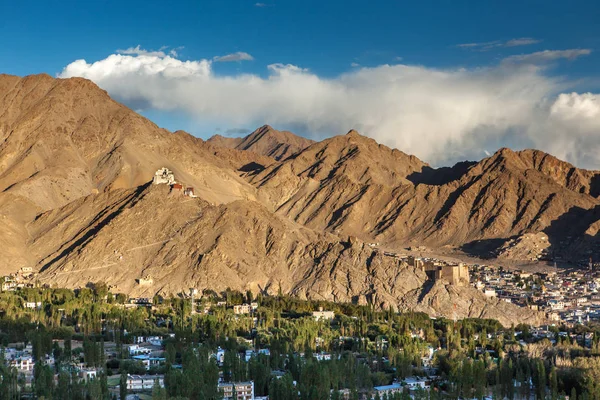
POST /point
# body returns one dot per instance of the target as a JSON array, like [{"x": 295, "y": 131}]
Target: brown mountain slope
[
  {"x": 223, "y": 141},
  {"x": 563, "y": 173},
  {"x": 352, "y": 185},
  {"x": 65, "y": 138},
  {"x": 148, "y": 232},
  {"x": 265, "y": 141},
  {"x": 75, "y": 203},
  {"x": 61, "y": 139}
]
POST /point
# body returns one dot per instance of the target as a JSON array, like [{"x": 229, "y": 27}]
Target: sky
[{"x": 444, "y": 80}]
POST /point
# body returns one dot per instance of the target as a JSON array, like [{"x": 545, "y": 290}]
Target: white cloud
[
  {"x": 285, "y": 69},
  {"x": 260, "y": 5},
  {"x": 439, "y": 115},
  {"x": 494, "y": 43},
  {"x": 239, "y": 56},
  {"x": 521, "y": 42},
  {"x": 545, "y": 56},
  {"x": 175, "y": 52},
  {"x": 138, "y": 51},
  {"x": 571, "y": 129},
  {"x": 484, "y": 46},
  {"x": 355, "y": 65}
]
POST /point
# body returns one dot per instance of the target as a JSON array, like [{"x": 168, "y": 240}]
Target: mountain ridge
[
  {"x": 283, "y": 212},
  {"x": 265, "y": 141}
]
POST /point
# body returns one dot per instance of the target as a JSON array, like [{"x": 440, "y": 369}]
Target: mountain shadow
[
  {"x": 440, "y": 176},
  {"x": 569, "y": 237},
  {"x": 485, "y": 248}
]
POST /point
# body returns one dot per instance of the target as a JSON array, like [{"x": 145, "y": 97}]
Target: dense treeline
[{"x": 473, "y": 358}]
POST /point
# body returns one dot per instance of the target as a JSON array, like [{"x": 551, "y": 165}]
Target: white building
[
  {"x": 242, "y": 309},
  {"x": 135, "y": 350},
  {"x": 23, "y": 364},
  {"x": 414, "y": 382},
  {"x": 243, "y": 390},
  {"x": 33, "y": 304},
  {"x": 319, "y": 315},
  {"x": 144, "y": 382},
  {"x": 220, "y": 356},
  {"x": 163, "y": 176},
  {"x": 88, "y": 373}
]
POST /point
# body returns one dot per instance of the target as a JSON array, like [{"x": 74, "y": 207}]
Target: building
[
  {"x": 220, "y": 356},
  {"x": 556, "y": 304},
  {"x": 144, "y": 382},
  {"x": 9, "y": 284},
  {"x": 414, "y": 382},
  {"x": 146, "y": 281},
  {"x": 88, "y": 373},
  {"x": 189, "y": 191},
  {"x": 435, "y": 270},
  {"x": 149, "y": 362},
  {"x": 136, "y": 350},
  {"x": 163, "y": 176},
  {"x": 33, "y": 304},
  {"x": 319, "y": 315},
  {"x": 23, "y": 364},
  {"x": 242, "y": 309},
  {"x": 251, "y": 353},
  {"x": 456, "y": 274},
  {"x": 387, "y": 390},
  {"x": 243, "y": 390}
]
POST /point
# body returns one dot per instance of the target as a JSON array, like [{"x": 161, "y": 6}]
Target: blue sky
[
  {"x": 327, "y": 40},
  {"x": 325, "y": 36}
]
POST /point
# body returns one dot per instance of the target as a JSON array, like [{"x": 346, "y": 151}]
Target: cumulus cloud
[
  {"x": 545, "y": 56},
  {"x": 238, "y": 56},
  {"x": 484, "y": 46},
  {"x": 441, "y": 115},
  {"x": 572, "y": 128}
]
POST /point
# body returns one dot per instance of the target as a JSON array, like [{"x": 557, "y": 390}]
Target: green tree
[{"x": 123, "y": 385}]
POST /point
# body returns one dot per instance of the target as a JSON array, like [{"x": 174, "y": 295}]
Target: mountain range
[{"x": 274, "y": 211}]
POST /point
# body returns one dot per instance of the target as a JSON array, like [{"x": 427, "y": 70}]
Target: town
[
  {"x": 92, "y": 343},
  {"x": 259, "y": 347}
]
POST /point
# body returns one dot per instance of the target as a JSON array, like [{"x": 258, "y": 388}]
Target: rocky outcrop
[{"x": 265, "y": 141}]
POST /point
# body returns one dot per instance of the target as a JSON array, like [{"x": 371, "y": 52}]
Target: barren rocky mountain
[
  {"x": 61, "y": 140},
  {"x": 351, "y": 185},
  {"x": 265, "y": 141},
  {"x": 239, "y": 245},
  {"x": 274, "y": 210}
]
